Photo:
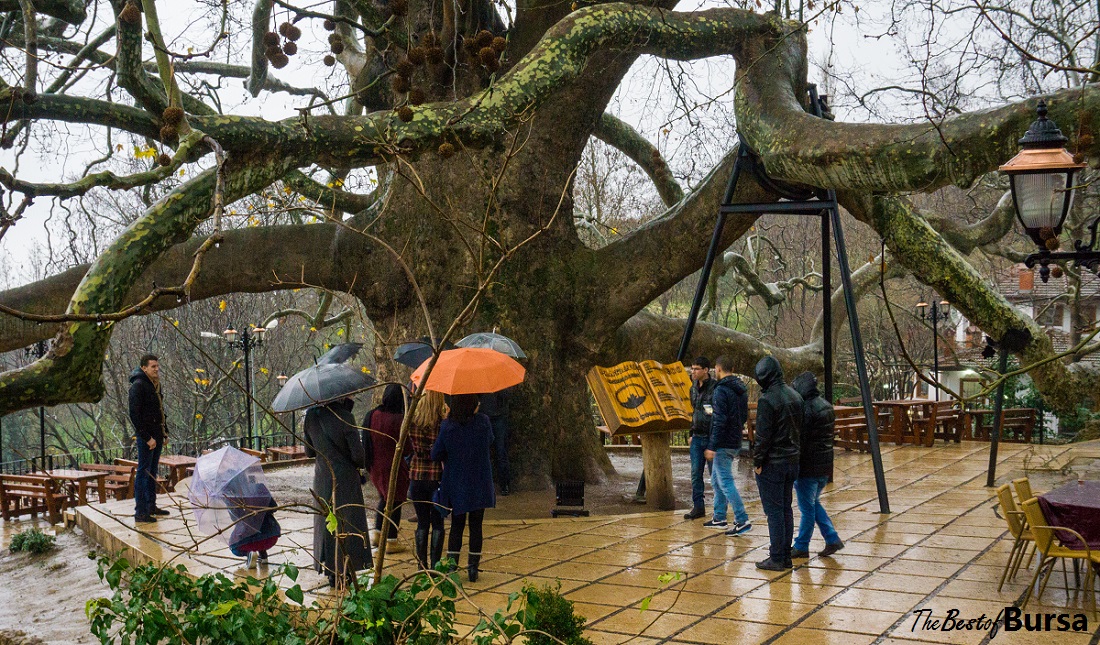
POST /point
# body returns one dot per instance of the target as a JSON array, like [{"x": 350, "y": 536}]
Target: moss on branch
[{"x": 621, "y": 136}]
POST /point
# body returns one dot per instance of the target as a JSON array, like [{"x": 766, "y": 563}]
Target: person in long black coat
[
  {"x": 332, "y": 438},
  {"x": 467, "y": 487}
]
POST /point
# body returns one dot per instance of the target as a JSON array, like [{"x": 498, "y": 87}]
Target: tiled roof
[{"x": 1008, "y": 283}]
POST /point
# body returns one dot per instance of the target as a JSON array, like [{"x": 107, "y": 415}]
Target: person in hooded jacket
[
  {"x": 331, "y": 437},
  {"x": 775, "y": 455},
  {"x": 731, "y": 410},
  {"x": 146, "y": 407},
  {"x": 815, "y": 467}
]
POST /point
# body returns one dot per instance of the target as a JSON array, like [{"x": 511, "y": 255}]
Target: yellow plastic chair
[
  {"x": 1023, "y": 489},
  {"x": 1017, "y": 526},
  {"x": 1050, "y": 552}
]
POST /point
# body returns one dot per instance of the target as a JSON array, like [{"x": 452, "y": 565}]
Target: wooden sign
[{"x": 642, "y": 397}]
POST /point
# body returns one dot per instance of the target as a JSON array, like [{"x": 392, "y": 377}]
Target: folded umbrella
[
  {"x": 470, "y": 370},
  {"x": 320, "y": 384},
  {"x": 493, "y": 341}
]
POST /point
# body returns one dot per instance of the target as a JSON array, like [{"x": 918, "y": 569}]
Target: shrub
[
  {"x": 31, "y": 541},
  {"x": 546, "y": 610}
]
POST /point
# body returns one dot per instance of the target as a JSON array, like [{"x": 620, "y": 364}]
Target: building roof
[{"x": 1021, "y": 284}]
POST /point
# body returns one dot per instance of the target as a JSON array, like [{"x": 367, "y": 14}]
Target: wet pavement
[{"x": 941, "y": 550}]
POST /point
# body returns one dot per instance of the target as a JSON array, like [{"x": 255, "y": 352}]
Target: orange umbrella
[{"x": 470, "y": 370}]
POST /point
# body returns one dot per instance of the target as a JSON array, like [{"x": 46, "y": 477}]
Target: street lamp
[
  {"x": 246, "y": 340},
  {"x": 1041, "y": 179},
  {"x": 934, "y": 314},
  {"x": 37, "y": 351}
]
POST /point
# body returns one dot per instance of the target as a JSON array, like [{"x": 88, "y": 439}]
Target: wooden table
[
  {"x": 901, "y": 420},
  {"x": 82, "y": 479},
  {"x": 286, "y": 452},
  {"x": 177, "y": 466}
]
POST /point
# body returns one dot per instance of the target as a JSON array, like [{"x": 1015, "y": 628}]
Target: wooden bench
[
  {"x": 850, "y": 428},
  {"x": 32, "y": 494},
  {"x": 164, "y": 485},
  {"x": 1017, "y": 424},
  {"x": 279, "y": 453},
  {"x": 947, "y": 422},
  {"x": 120, "y": 479}
]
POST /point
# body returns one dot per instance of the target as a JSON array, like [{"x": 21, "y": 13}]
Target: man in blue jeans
[
  {"x": 775, "y": 455},
  {"x": 702, "y": 398},
  {"x": 146, "y": 407},
  {"x": 731, "y": 410},
  {"x": 815, "y": 467}
]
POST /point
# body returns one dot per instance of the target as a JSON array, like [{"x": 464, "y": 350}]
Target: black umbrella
[
  {"x": 414, "y": 354},
  {"x": 320, "y": 384},
  {"x": 340, "y": 354}
]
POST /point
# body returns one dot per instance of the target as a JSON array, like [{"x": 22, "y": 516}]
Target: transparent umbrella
[
  {"x": 493, "y": 341},
  {"x": 229, "y": 495}
]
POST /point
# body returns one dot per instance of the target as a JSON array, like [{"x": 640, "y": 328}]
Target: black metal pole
[
  {"x": 936, "y": 348},
  {"x": 2, "y": 445},
  {"x": 827, "y": 305},
  {"x": 708, "y": 264},
  {"x": 998, "y": 406},
  {"x": 247, "y": 346},
  {"x": 857, "y": 349},
  {"x": 42, "y": 436}
]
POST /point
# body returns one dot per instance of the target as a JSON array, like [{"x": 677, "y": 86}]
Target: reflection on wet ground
[{"x": 941, "y": 549}]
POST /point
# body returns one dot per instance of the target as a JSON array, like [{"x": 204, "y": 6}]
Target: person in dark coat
[
  {"x": 775, "y": 455},
  {"x": 332, "y": 438},
  {"x": 383, "y": 429},
  {"x": 496, "y": 406},
  {"x": 146, "y": 404},
  {"x": 815, "y": 467},
  {"x": 463, "y": 446},
  {"x": 702, "y": 395}
]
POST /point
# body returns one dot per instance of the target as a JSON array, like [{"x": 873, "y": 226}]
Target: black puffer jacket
[
  {"x": 778, "y": 416},
  {"x": 146, "y": 407},
  {"x": 731, "y": 410},
  {"x": 818, "y": 419},
  {"x": 701, "y": 395}
]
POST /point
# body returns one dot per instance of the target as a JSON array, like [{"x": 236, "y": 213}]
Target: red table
[{"x": 1075, "y": 506}]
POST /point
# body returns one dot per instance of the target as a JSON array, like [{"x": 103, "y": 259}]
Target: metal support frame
[
  {"x": 998, "y": 408},
  {"x": 812, "y": 202}
]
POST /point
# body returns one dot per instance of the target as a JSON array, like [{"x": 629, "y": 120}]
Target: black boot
[
  {"x": 437, "y": 546},
  {"x": 420, "y": 539},
  {"x": 453, "y": 555},
  {"x": 472, "y": 567}
]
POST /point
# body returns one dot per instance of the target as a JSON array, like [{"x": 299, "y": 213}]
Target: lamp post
[
  {"x": 246, "y": 341},
  {"x": 1041, "y": 179},
  {"x": 37, "y": 351},
  {"x": 934, "y": 314}
]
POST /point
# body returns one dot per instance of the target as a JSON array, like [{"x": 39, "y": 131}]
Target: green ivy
[{"x": 153, "y": 604}]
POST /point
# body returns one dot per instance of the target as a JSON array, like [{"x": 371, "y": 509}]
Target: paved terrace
[{"x": 942, "y": 548}]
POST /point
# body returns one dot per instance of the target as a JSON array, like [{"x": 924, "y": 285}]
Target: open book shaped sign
[{"x": 642, "y": 397}]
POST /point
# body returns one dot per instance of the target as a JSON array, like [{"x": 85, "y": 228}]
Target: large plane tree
[{"x": 474, "y": 120}]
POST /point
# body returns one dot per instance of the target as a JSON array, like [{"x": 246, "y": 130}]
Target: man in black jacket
[
  {"x": 778, "y": 424},
  {"x": 702, "y": 397},
  {"x": 731, "y": 410},
  {"x": 147, "y": 415},
  {"x": 815, "y": 467}
]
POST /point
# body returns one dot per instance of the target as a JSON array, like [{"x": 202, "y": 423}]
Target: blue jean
[
  {"x": 776, "y": 484},
  {"x": 725, "y": 489},
  {"x": 145, "y": 479},
  {"x": 698, "y": 464},
  {"x": 809, "y": 504}
]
